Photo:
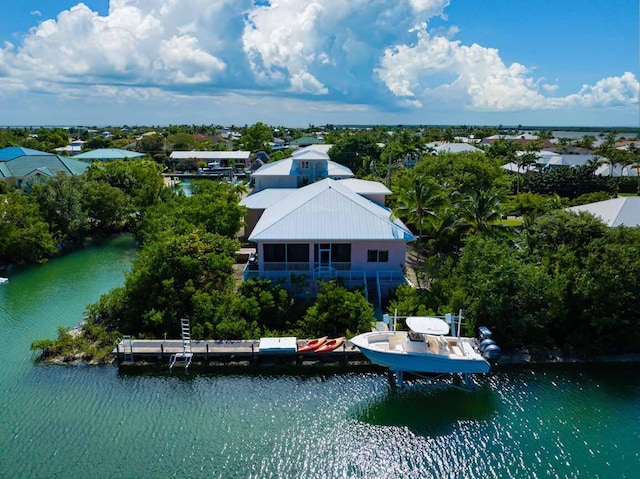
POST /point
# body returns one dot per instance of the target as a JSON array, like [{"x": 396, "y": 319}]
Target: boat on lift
[{"x": 428, "y": 348}]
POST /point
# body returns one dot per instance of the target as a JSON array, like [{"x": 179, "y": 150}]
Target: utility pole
[{"x": 389, "y": 171}]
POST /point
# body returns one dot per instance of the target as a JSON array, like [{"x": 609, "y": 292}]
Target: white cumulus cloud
[
  {"x": 377, "y": 54},
  {"x": 481, "y": 81}
]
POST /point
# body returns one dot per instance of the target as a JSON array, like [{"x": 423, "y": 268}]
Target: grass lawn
[{"x": 514, "y": 222}]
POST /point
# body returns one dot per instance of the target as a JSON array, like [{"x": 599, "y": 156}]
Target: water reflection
[{"x": 430, "y": 410}]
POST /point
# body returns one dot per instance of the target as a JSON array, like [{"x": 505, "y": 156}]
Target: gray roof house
[{"x": 326, "y": 230}]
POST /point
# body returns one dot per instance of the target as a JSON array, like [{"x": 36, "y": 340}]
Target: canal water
[{"x": 94, "y": 422}]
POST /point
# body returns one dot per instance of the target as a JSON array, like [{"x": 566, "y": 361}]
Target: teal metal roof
[
  {"x": 108, "y": 154},
  {"x": 46, "y": 164},
  {"x": 13, "y": 152}
]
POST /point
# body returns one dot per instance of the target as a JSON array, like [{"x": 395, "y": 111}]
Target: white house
[
  {"x": 257, "y": 202},
  {"x": 305, "y": 166},
  {"x": 223, "y": 158},
  {"x": 623, "y": 211},
  {"x": 327, "y": 230}
]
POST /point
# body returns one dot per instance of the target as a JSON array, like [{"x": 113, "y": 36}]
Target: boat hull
[{"x": 417, "y": 362}]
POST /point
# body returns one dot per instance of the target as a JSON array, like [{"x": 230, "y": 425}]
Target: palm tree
[
  {"x": 527, "y": 158},
  {"x": 446, "y": 230},
  {"x": 481, "y": 214},
  {"x": 418, "y": 199}
]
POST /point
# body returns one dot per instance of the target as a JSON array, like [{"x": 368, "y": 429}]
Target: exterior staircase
[{"x": 374, "y": 299}]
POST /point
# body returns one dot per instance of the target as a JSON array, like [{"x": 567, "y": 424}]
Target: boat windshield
[{"x": 427, "y": 325}]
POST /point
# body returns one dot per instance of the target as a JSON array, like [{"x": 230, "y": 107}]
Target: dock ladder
[
  {"x": 127, "y": 346},
  {"x": 186, "y": 355}
]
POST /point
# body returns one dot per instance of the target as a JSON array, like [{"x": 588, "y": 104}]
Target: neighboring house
[
  {"x": 327, "y": 230},
  {"x": 20, "y": 166},
  {"x": 257, "y": 202},
  {"x": 108, "y": 154},
  {"x": 549, "y": 161},
  {"x": 306, "y": 166},
  {"x": 73, "y": 148},
  {"x": 229, "y": 159},
  {"x": 453, "y": 148},
  {"x": 305, "y": 141},
  {"x": 616, "y": 212}
]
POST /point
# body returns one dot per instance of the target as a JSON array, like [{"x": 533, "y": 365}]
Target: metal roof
[
  {"x": 210, "y": 155},
  {"x": 265, "y": 198},
  {"x": 108, "y": 154},
  {"x": 616, "y": 212},
  {"x": 284, "y": 167},
  {"x": 26, "y": 165},
  {"x": 329, "y": 211},
  {"x": 365, "y": 187},
  {"x": 321, "y": 147},
  {"x": 13, "y": 152},
  {"x": 456, "y": 148}
]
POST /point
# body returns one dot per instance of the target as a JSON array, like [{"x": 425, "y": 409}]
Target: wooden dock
[{"x": 217, "y": 353}]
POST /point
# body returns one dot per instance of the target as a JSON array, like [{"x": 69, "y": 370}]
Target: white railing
[
  {"x": 340, "y": 266},
  {"x": 287, "y": 266}
]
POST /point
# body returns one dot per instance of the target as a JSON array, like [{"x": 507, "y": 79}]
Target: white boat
[
  {"x": 425, "y": 348},
  {"x": 3, "y": 280}
]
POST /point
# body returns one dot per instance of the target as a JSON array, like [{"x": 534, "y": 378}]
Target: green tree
[
  {"x": 24, "y": 235},
  {"x": 257, "y": 138},
  {"x": 494, "y": 288},
  {"x": 336, "y": 312},
  {"x": 168, "y": 281},
  {"x": 62, "y": 204},
  {"x": 141, "y": 180},
  {"x": 109, "y": 208},
  {"x": 356, "y": 152},
  {"x": 481, "y": 213}
]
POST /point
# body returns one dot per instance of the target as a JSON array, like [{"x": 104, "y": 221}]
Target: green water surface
[{"x": 94, "y": 422}]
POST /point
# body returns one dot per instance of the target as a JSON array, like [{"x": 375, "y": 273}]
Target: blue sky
[{"x": 300, "y": 62}]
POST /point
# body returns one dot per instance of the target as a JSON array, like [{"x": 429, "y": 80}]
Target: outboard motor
[{"x": 488, "y": 347}]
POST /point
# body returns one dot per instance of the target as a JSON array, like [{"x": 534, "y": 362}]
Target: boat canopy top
[{"x": 427, "y": 325}]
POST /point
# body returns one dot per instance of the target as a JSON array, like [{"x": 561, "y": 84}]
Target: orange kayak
[
  {"x": 330, "y": 345},
  {"x": 312, "y": 345}
]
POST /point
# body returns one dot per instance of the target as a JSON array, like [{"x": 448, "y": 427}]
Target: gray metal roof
[
  {"x": 265, "y": 198},
  {"x": 210, "y": 155},
  {"x": 616, "y": 212},
  {"x": 329, "y": 211}
]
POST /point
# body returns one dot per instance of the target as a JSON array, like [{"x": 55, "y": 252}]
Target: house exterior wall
[
  {"x": 315, "y": 170},
  {"x": 379, "y": 199},
  {"x": 273, "y": 181},
  {"x": 251, "y": 219},
  {"x": 396, "y": 250}
]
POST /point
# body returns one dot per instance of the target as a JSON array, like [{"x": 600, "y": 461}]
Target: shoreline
[{"x": 352, "y": 357}]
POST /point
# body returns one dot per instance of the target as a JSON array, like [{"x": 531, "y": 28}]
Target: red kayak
[
  {"x": 330, "y": 345},
  {"x": 312, "y": 345}
]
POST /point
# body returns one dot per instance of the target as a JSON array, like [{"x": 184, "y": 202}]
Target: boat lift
[{"x": 396, "y": 376}]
